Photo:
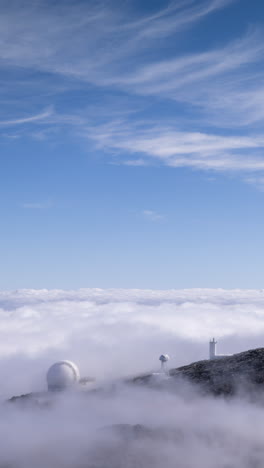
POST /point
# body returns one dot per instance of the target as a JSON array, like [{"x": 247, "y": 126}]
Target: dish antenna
[{"x": 164, "y": 358}]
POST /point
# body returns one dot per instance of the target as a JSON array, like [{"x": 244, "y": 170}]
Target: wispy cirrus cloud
[
  {"x": 66, "y": 34},
  {"x": 152, "y": 215},
  {"x": 172, "y": 74},
  {"x": 181, "y": 149},
  {"x": 216, "y": 84},
  {"x": 31, "y": 119},
  {"x": 256, "y": 181},
  {"x": 37, "y": 205},
  {"x": 223, "y": 82}
]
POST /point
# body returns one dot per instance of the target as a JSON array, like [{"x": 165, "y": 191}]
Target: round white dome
[{"x": 62, "y": 375}]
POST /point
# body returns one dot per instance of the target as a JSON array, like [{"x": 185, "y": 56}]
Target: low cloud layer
[
  {"x": 177, "y": 431},
  {"x": 111, "y": 334},
  {"x": 115, "y": 333}
]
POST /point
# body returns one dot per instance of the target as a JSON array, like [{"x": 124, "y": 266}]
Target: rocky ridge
[{"x": 225, "y": 376}]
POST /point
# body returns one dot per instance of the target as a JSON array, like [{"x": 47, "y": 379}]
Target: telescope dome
[{"x": 62, "y": 375}]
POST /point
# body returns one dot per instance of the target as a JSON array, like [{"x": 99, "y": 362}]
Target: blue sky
[{"x": 131, "y": 142}]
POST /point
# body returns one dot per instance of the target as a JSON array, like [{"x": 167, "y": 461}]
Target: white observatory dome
[
  {"x": 164, "y": 358},
  {"x": 62, "y": 375}
]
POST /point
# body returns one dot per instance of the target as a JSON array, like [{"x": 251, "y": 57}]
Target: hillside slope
[{"x": 226, "y": 376}]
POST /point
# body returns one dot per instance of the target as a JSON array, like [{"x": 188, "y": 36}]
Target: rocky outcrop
[{"x": 243, "y": 372}]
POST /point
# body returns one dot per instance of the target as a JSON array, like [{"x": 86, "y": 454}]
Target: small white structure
[
  {"x": 212, "y": 348},
  {"x": 62, "y": 375},
  {"x": 212, "y": 351},
  {"x": 164, "y": 358}
]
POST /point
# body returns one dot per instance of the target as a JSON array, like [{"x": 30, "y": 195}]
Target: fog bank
[{"x": 115, "y": 333}]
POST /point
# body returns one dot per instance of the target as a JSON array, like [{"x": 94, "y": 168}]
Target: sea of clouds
[{"x": 113, "y": 334}]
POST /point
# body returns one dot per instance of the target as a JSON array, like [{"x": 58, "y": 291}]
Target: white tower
[
  {"x": 164, "y": 358},
  {"x": 212, "y": 349},
  {"x": 62, "y": 375}
]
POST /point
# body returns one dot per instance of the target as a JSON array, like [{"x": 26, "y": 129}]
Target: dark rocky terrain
[{"x": 225, "y": 376}]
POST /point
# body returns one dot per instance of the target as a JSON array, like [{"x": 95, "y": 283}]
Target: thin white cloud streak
[
  {"x": 152, "y": 215},
  {"x": 37, "y": 205},
  {"x": 135, "y": 162},
  {"x": 256, "y": 181},
  {"x": 34, "y": 118},
  {"x": 233, "y": 104},
  {"x": 235, "y": 93},
  {"x": 177, "y": 16},
  {"x": 181, "y": 149},
  {"x": 166, "y": 145},
  {"x": 178, "y": 72}
]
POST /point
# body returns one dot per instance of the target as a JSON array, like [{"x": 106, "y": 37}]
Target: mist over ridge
[
  {"x": 115, "y": 333},
  {"x": 112, "y": 334}
]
